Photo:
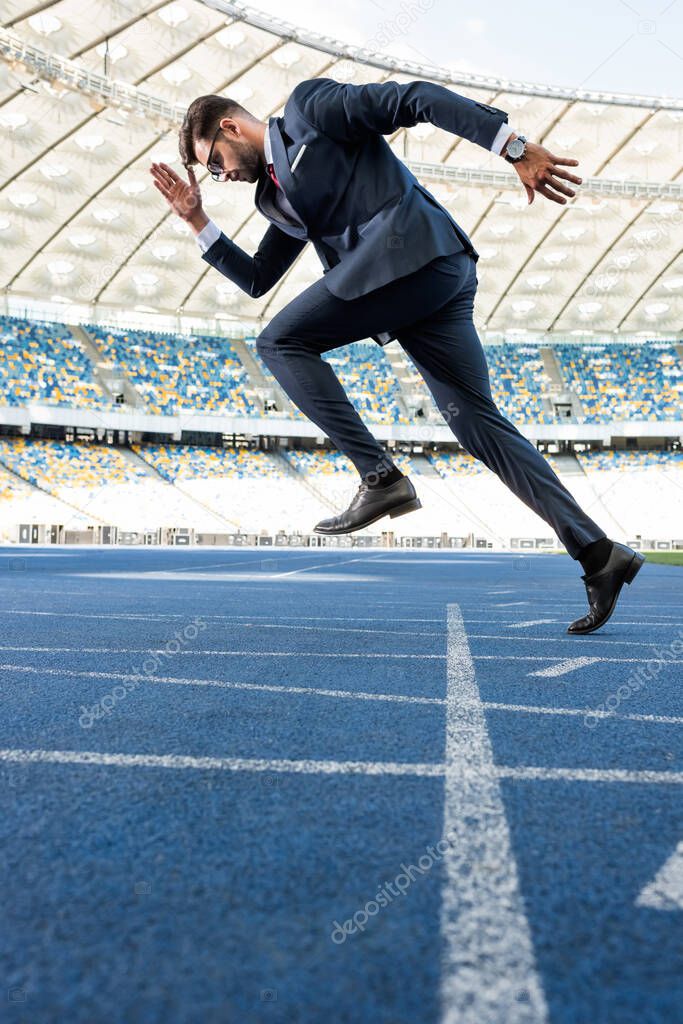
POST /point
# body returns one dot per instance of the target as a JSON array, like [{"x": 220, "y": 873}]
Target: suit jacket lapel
[
  {"x": 283, "y": 171},
  {"x": 265, "y": 187}
]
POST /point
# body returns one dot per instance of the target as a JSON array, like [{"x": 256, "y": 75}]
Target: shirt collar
[{"x": 267, "y": 145}]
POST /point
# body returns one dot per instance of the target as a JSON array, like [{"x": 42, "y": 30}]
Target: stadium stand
[
  {"x": 52, "y": 465},
  {"x": 11, "y": 486},
  {"x": 334, "y": 476},
  {"x": 630, "y": 382},
  {"x": 495, "y": 510},
  {"x": 22, "y": 502},
  {"x": 448, "y": 464},
  {"x": 214, "y": 489},
  {"x": 642, "y": 490},
  {"x": 319, "y": 461},
  {"x": 368, "y": 379},
  {"x": 233, "y": 490},
  {"x": 627, "y": 461},
  {"x": 175, "y": 372},
  {"x": 43, "y": 363},
  {"x": 252, "y": 488},
  {"x": 179, "y": 463},
  {"x": 108, "y": 484},
  {"x": 366, "y": 375},
  {"x": 503, "y": 516},
  {"x": 292, "y": 412},
  {"x": 330, "y": 475},
  {"x": 518, "y": 380}
]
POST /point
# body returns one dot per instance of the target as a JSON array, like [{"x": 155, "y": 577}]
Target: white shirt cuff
[
  {"x": 501, "y": 137},
  {"x": 208, "y": 235}
]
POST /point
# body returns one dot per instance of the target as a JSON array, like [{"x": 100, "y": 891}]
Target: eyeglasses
[{"x": 217, "y": 171}]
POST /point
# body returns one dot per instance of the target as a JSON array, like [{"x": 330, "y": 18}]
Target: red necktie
[{"x": 271, "y": 172}]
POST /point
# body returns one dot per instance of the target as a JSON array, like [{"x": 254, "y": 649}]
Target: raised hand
[
  {"x": 540, "y": 172},
  {"x": 185, "y": 199}
]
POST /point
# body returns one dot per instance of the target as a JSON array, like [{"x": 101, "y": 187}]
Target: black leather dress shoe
[
  {"x": 603, "y": 587},
  {"x": 371, "y": 503}
]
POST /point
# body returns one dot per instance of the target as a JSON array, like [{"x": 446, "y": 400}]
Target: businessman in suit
[{"x": 396, "y": 265}]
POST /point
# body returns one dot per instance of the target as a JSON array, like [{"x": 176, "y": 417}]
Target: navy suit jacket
[{"x": 368, "y": 217}]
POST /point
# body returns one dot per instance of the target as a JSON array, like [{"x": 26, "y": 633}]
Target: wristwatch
[{"x": 516, "y": 149}]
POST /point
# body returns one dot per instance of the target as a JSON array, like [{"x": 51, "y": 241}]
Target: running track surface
[{"x": 293, "y": 787}]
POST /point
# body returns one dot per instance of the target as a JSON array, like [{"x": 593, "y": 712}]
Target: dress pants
[{"x": 430, "y": 313}]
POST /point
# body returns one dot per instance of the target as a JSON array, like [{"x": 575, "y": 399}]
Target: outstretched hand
[
  {"x": 540, "y": 172},
  {"x": 185, "y": 199}
]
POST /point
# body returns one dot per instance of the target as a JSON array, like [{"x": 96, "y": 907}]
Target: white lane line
[
  {"x": 160, "y": 616},
  {"x": 168, "y": 576},
  {"x": 100, "y": 615},
  {"x": 230, "y": 764},
  {"x": 665, "y": 891},
  {"x": 312, "y": 691},
  {"x": 320, "y": 565},
  {"x": 536, "y": 709},
  {"x": 335, "y": 629},
  {"x": 564, "y": 667},
  {"x": 531, "y": 622},
  {"x": 546, "y": 597},
  {"x": 310, "y": 654},
  {"x": 451, "y": 562},
  {"x": 251, "y": 558},
  {"x": 211, "y": 565},
  {"x": 645, "y": 619},
  {"x": 595, "y": 639},
  {"x": 536, "y": 774},
  {"x": 318, "y": 629},
  {"x": 511, "y": 625},
  {"x": 215, "y": 653},
  {"x": 307, "y": 767},
  {"x": 488, "y": 972},
  {"x": 21, "y": 553},
  {"x": 554, "y": 657}
]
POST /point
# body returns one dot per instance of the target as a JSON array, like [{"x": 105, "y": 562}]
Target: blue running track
[{"x": 346, "y": 786}]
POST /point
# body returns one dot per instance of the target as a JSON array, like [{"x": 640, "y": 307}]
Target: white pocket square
[{"x": 298, "y": 157}]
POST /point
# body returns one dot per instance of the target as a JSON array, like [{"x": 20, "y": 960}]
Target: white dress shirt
[
  {"x": 210, "y": 232},
  {"x": 501, "y": 137}
]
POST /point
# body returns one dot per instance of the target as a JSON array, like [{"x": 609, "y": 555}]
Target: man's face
[{"x": 231, "y": 152}]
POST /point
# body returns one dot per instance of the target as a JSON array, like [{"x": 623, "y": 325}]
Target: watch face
[{"x": 516, "y": 147}]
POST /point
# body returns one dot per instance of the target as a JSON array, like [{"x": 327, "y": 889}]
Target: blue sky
[{"x": 620, "y": 45}]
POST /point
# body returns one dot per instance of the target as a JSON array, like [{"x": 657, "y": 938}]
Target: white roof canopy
[{"x": 88, "y": 100}]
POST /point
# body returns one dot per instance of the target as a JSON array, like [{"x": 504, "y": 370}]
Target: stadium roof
[{"x": 88, "y": 98}]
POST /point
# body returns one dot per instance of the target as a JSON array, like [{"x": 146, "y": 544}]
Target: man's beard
[{"x": 251, "y": 164}]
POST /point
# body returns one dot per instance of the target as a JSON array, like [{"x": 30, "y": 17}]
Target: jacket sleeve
[
  {"x": 255, "y": 274},
  {"x": 349, "y": 112}
]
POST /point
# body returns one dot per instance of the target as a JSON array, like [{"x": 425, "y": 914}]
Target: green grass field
[
  {"x": 663, "y": 557},
  {"x": 666, "y": 557}
]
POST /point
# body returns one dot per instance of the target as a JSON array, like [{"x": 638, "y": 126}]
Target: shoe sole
[
  {"x": 630, "y": 574},
  {"x": 400, "y": 510}
]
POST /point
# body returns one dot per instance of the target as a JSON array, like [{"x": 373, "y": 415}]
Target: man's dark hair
[{"x": 201, "y": 121}]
